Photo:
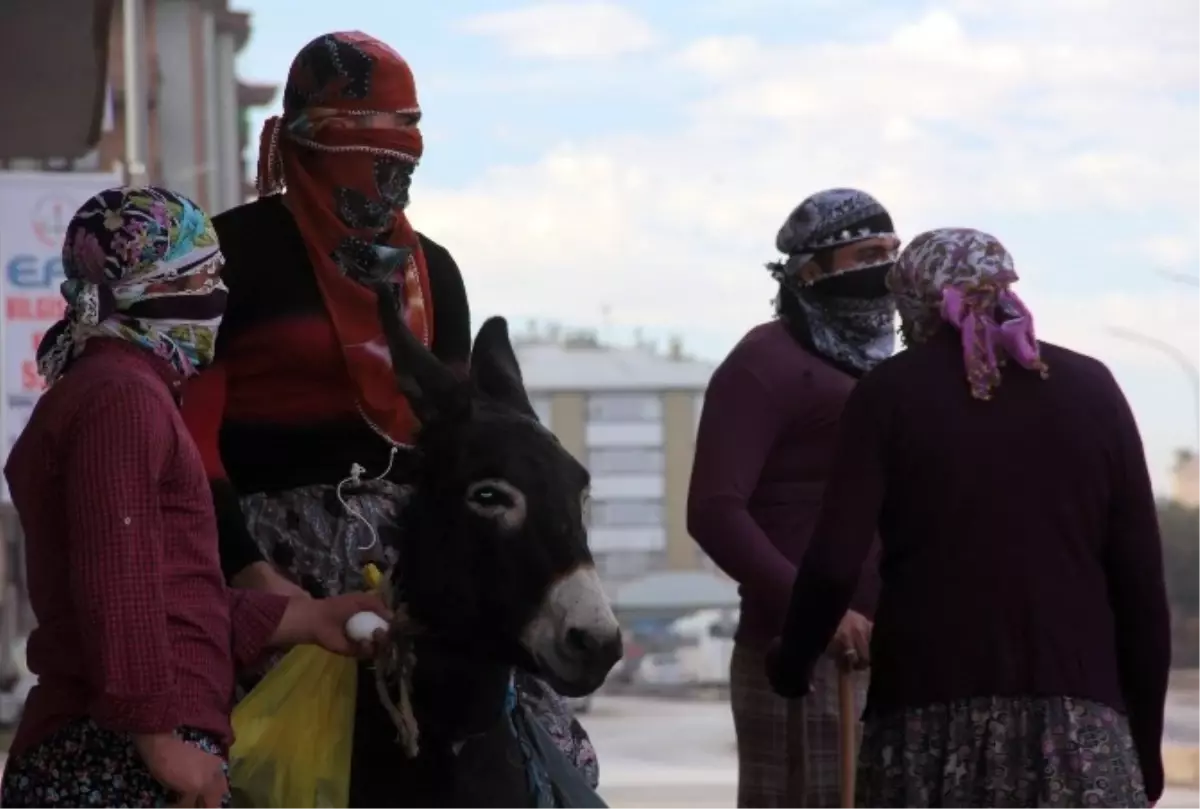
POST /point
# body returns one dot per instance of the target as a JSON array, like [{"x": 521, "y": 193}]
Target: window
[
  {"x": 625, "y": 461},
  {"x": 542, "y": 406},
  {"x": 624, "y": 407},
  {"x": 626, "y": 513},
  {"x": 624, "y": 434},
  {"x": 625, "y": 565},
  {"x": 611, "y": 540}
]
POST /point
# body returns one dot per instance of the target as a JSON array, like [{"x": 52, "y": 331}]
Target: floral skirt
[
  {"x": 84, "y": 765},
  {"x": 1000, "y": 752},
  {"x": 309, "y": 534}
]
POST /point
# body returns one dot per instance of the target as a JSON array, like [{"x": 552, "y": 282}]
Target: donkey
[{"x": 494, "y": 567}]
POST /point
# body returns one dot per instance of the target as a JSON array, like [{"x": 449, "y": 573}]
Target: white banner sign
[{"x": 35, "y": 208}]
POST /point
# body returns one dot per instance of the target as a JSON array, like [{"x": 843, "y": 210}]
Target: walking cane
[{"x": 847, "y": 727}]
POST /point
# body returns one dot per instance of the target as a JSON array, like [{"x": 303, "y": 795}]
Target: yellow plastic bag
[{"x": 293, "y": 732}]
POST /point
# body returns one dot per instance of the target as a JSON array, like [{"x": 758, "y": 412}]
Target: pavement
[
  {"x": 673, "y": 753},
  {"x": 663, "y": 753},
  {"x": 669, "y": 753}
]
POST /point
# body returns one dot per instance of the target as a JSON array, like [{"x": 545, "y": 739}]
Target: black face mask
[{"x": 860, "y": 284}]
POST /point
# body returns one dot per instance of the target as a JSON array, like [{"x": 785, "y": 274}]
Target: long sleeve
[
  {"x": 833, "y": 564},
  {"x": 866, "y": 595},
  {"x": 254, "y": 617},
  {"x": 203, "y": 410},
  {"x": 1133, "y": 563},
  {"x": 739, "y": 425},
  {"x": 116, "y": 453}
]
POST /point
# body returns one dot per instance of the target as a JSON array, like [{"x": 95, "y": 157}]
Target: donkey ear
[
  {"x": 431, "y": 388},
  {"x": 494, "y": 367}
]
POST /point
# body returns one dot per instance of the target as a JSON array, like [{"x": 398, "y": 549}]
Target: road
[
  {"x": 666, "y": 753},
  {"x": 671, "y": 753}
]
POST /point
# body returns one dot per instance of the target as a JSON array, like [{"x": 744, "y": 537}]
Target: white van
[{"x": 702, "y": 651}]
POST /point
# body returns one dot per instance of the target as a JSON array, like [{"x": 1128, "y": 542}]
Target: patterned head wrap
[
  {"x": 345, "y": 150},
  {"x": 962, "y": 277},
  {"x": 142, "y": 264},
  {"x": 833, "y": 239}
]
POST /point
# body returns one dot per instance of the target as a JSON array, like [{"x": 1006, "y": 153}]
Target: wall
[
  {"x": 679, "y": 423},
  {"x": 181, "y": 155}
]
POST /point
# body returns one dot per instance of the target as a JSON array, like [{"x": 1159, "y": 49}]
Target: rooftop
[{"x": 581, "y": 363}]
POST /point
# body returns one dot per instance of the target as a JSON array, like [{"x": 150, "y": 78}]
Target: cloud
[
  {"x": 1170, "y": 251},
  {"x": 589, "y": 29},
  {"x": 972, "y": 113}
]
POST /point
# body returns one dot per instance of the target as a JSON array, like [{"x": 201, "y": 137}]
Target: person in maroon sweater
[
  {"x": 762, "y": 455},
  {"x": 138, "y": 636},
  {"x": 1022, "y": 643}
]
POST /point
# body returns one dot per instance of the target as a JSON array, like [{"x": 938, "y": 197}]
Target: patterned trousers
[
  {"x": 84, "y": 765},
  {"x": 788, "y": 750}
]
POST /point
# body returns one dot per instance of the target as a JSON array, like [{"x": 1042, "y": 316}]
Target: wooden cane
[{"x": 847, "y": 732}]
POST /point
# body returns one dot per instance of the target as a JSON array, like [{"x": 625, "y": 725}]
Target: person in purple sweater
[
  {"x": 1022, "y": 644},
  {"x": 763, "y": 450}
]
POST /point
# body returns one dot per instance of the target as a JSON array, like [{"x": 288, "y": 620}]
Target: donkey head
[{"x": 498, "y": 559}]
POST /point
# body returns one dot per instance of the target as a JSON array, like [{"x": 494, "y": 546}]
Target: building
[
  {"x": 197, "y": 128},
  {"x": 1185, "y": 479},
  {"x": 628, "y": 414}
]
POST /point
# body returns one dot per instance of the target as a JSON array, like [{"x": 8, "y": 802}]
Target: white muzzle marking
[{"x": 575, "y": 602}]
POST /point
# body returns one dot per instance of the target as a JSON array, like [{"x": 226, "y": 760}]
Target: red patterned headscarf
[{"x": 345, "y": 150}]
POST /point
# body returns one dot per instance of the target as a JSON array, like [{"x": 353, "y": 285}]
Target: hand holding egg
[{"x": 362, "y": 627}]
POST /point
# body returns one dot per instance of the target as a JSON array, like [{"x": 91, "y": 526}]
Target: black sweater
[{"x": 273, "y": 289}]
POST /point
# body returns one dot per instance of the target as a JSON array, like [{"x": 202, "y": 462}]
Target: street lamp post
[
  {"x": 1180, "y": 277},
  {"x": 1178, "y": 357}
]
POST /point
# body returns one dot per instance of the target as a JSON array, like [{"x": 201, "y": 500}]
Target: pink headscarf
[{"x": 962, "y": 277}]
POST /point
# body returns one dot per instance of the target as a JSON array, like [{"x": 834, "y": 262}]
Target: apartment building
[{"x": 629, "y": 414}]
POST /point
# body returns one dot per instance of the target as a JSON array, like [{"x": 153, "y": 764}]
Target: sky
[{"x": 625, "y": 166}]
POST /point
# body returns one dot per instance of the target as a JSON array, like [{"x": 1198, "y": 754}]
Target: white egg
[{"x": 363, "y": 626}]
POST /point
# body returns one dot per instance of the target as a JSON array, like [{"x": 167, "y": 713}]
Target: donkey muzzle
[{"x": 574, "y": 637}]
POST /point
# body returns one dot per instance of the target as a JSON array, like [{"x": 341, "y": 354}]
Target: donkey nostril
[
  {"x": 595, "y": 649},
  {"x": 580, "y": 641}
]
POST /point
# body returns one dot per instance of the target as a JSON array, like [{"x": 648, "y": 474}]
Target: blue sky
[{"x": 626, "y": 164}]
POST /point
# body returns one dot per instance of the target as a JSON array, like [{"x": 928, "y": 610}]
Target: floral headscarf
[
  {"x": 962, "y": 277},
  {"x": 143, "y": 265}
]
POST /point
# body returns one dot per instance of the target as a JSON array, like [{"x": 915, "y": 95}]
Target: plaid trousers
[{"x": 788, "y": 750}]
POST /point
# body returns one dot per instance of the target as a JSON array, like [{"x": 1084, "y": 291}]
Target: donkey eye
[
  {"x": 497, "y": 500},
  {"x": 489, "y": 496}
]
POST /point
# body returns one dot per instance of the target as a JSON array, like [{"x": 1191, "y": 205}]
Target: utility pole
[
  {"x": 1180, "y": 277},
  {"x": 135, "y": 95}
]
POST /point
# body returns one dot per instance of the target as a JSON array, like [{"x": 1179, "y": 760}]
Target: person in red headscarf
[{"x": 302, "y": 389}]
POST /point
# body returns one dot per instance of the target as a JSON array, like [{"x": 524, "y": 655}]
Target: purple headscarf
[{"x": 962, "y": 277}]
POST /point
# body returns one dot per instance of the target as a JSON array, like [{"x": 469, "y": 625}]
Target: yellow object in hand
[{"x": 294, "y": 731}]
